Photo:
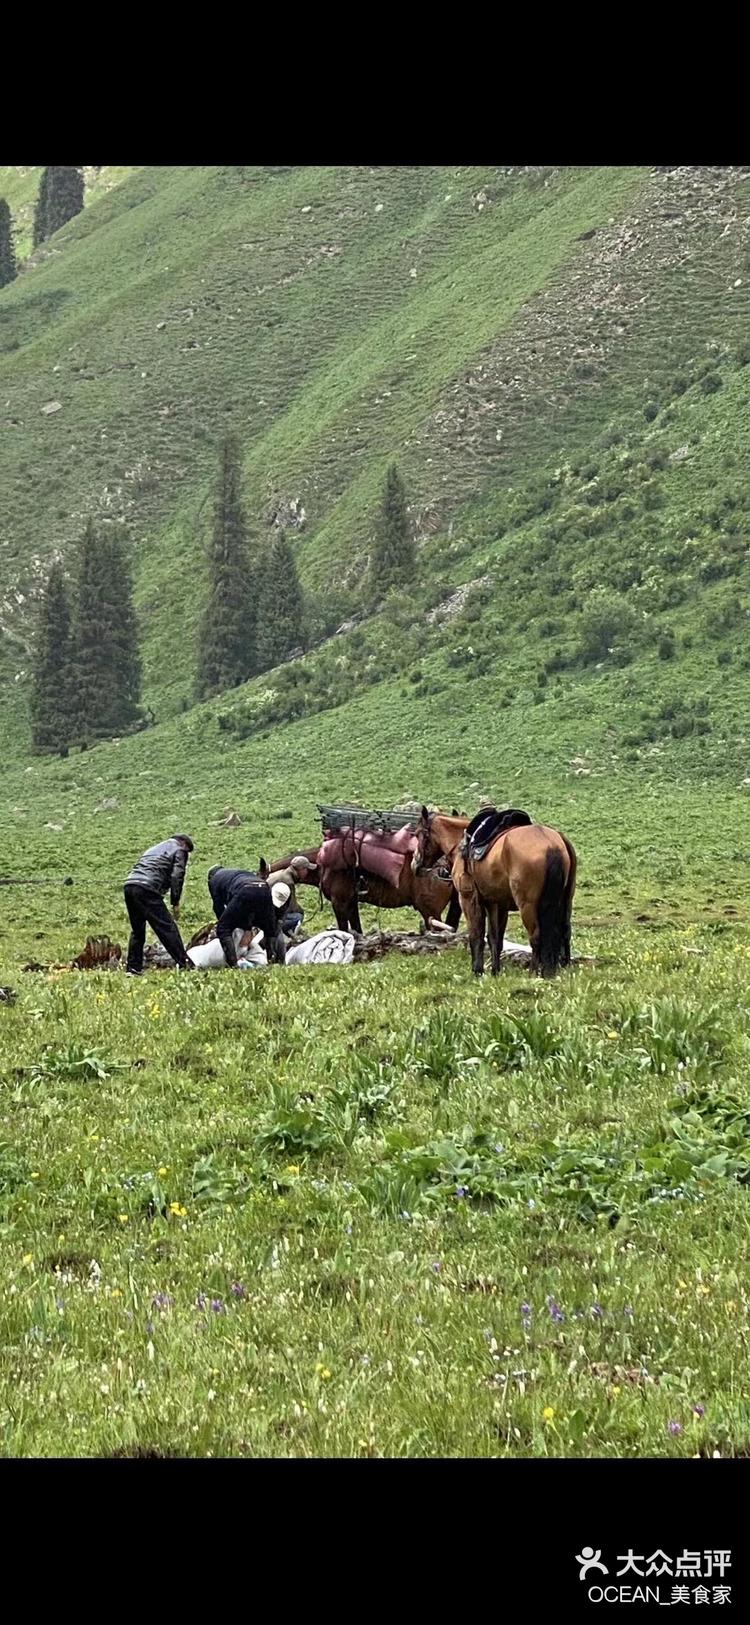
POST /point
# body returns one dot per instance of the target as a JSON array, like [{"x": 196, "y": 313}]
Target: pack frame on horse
[
  {"x": 529, "y": 867},
  {"x": 429, "y": 894}
]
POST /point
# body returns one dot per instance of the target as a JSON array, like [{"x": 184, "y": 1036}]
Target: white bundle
[
  {"x": 210, "y": 955},
  {"x": 327, "y": 948}
]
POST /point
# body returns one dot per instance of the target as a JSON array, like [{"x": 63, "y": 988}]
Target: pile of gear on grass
[{"x": 258, "y": 920}]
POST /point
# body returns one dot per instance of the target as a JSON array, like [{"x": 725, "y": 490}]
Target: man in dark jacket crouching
[
  {"x": 241, "y": 901},
  {"x": 161, "y": 869}
]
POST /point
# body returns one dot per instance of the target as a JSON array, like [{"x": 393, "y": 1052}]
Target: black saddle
[{"x": 487, "y": 826}]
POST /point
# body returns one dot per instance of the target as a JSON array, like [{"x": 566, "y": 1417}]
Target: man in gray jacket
[{"x": 161, "y": 869}]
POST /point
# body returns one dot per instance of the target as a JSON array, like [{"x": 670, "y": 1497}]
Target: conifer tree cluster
[
  {"x": 106, "y": 659},
  {"x": 393, "y": 560},
  {"x": 254, "y": 615},
  {"x": 60, "y": 197},
  {"x": 7, "y": 247},
  {"x": 87, "y": 674}
]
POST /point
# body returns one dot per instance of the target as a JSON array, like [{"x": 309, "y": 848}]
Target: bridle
[{"x": 441, "y": 869}]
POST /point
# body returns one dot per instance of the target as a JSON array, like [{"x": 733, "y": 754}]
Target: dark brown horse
[
  {"x": 531, "y": 868},
  {"x": 345, "y": 889}
]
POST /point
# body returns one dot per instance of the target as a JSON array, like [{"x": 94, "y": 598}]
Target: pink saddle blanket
[{"x": 381, "y": 855}]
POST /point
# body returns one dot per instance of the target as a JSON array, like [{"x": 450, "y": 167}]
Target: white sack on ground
[
  {"x": 210, "y": 955},
  {"x": 327, "y": 948}
]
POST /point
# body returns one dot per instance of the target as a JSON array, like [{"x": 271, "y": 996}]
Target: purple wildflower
[
  {"x": 149, "y": 1328},
  {"x": 218, "y": 1306},
  {"x": 161, "y": 1300},
  {"x": 461, "y": 1190},
  {"x": 675, "y": 1428},
  {"x": 498, "y": 1150},
  {"x": 526, "y": 1311},
  {"x": 200, "y": 1302},
  {"x": 556, "y": 1313},
  {"x": 238, "y": 1290},
  {"x": 628, "y": 1312},
  {"x": 597, "y": 1311},
  {"x": 699, "y": 1410}
]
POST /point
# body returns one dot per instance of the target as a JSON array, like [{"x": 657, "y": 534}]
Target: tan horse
[{"x": 531, "y": 868}]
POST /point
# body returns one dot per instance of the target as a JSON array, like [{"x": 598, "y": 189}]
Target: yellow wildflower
[
  {"x": 36, "y": 1176},
  {"x": 28, "y": 1258},
  {"x": 731, "y": 1307},
  {"x": 548, "y": 1413},
  {"x": 61, "y": 1237},
  {"x": 162, "y": 1172},
  {"x": 615, "y": 1389},
  {"x": 702, "y": 1290},
  {"x": 178, "y": 1211},
  {"x": 116, "y": 1293},
  {"x": 323, "y": 1372},
  {"x": 124, "y": 1218},
  {"x": 292, "y": 1168},
  {"x": 613, "y": 1035}
]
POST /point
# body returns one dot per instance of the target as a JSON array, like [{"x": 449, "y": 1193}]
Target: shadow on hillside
[{"x": 27, "y": 319}]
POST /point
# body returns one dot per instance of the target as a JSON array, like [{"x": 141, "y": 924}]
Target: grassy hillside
[{"x": 386, "y": 1210}]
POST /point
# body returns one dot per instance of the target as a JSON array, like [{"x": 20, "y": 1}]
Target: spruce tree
[
  {"x": 125, "y": 658},
  {"x": 226, "y": 651},
  {"x": 52, "y": 719},
  {"x": 7, "y": 249},
  {"x": 282, "y": 605},
  {"x": 106, "y": 660},
  {"x": 60, "y": 198},
  {"x": 40, "y": 210},
  {"x": 393, "y": 561}
]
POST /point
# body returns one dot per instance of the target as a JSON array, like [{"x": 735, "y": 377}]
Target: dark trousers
[
  {"x": 146, "y": 907},
  {"x": 251, "y": 906}
]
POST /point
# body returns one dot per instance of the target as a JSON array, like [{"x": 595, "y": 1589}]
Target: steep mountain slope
[{"x": 486, "y": 326}]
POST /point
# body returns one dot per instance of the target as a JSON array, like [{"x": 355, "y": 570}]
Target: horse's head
[
  {"x": 426, "y": 852},
  {"x": 438, "y": 836}
]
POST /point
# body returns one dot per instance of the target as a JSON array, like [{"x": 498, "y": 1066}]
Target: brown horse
[
  {"x": 345, "y": 889},
  {"x": 531, "y": 868}
]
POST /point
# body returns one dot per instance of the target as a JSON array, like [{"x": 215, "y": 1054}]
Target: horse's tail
[
  {"x": 553, "y": 915},
  {"x": 569, "y": 890}
]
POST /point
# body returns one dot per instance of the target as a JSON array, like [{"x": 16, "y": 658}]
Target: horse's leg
[
  {"x": 340, "y": 895},
  {"x": 426, "y": 899},
  {"x": 530, "y": 919},
  {"x": 473, "y": 908},
  {"x": 497, "y": 920},
  {"x": 453, "y": 917},
  {"x": 354, "y": 919}
]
